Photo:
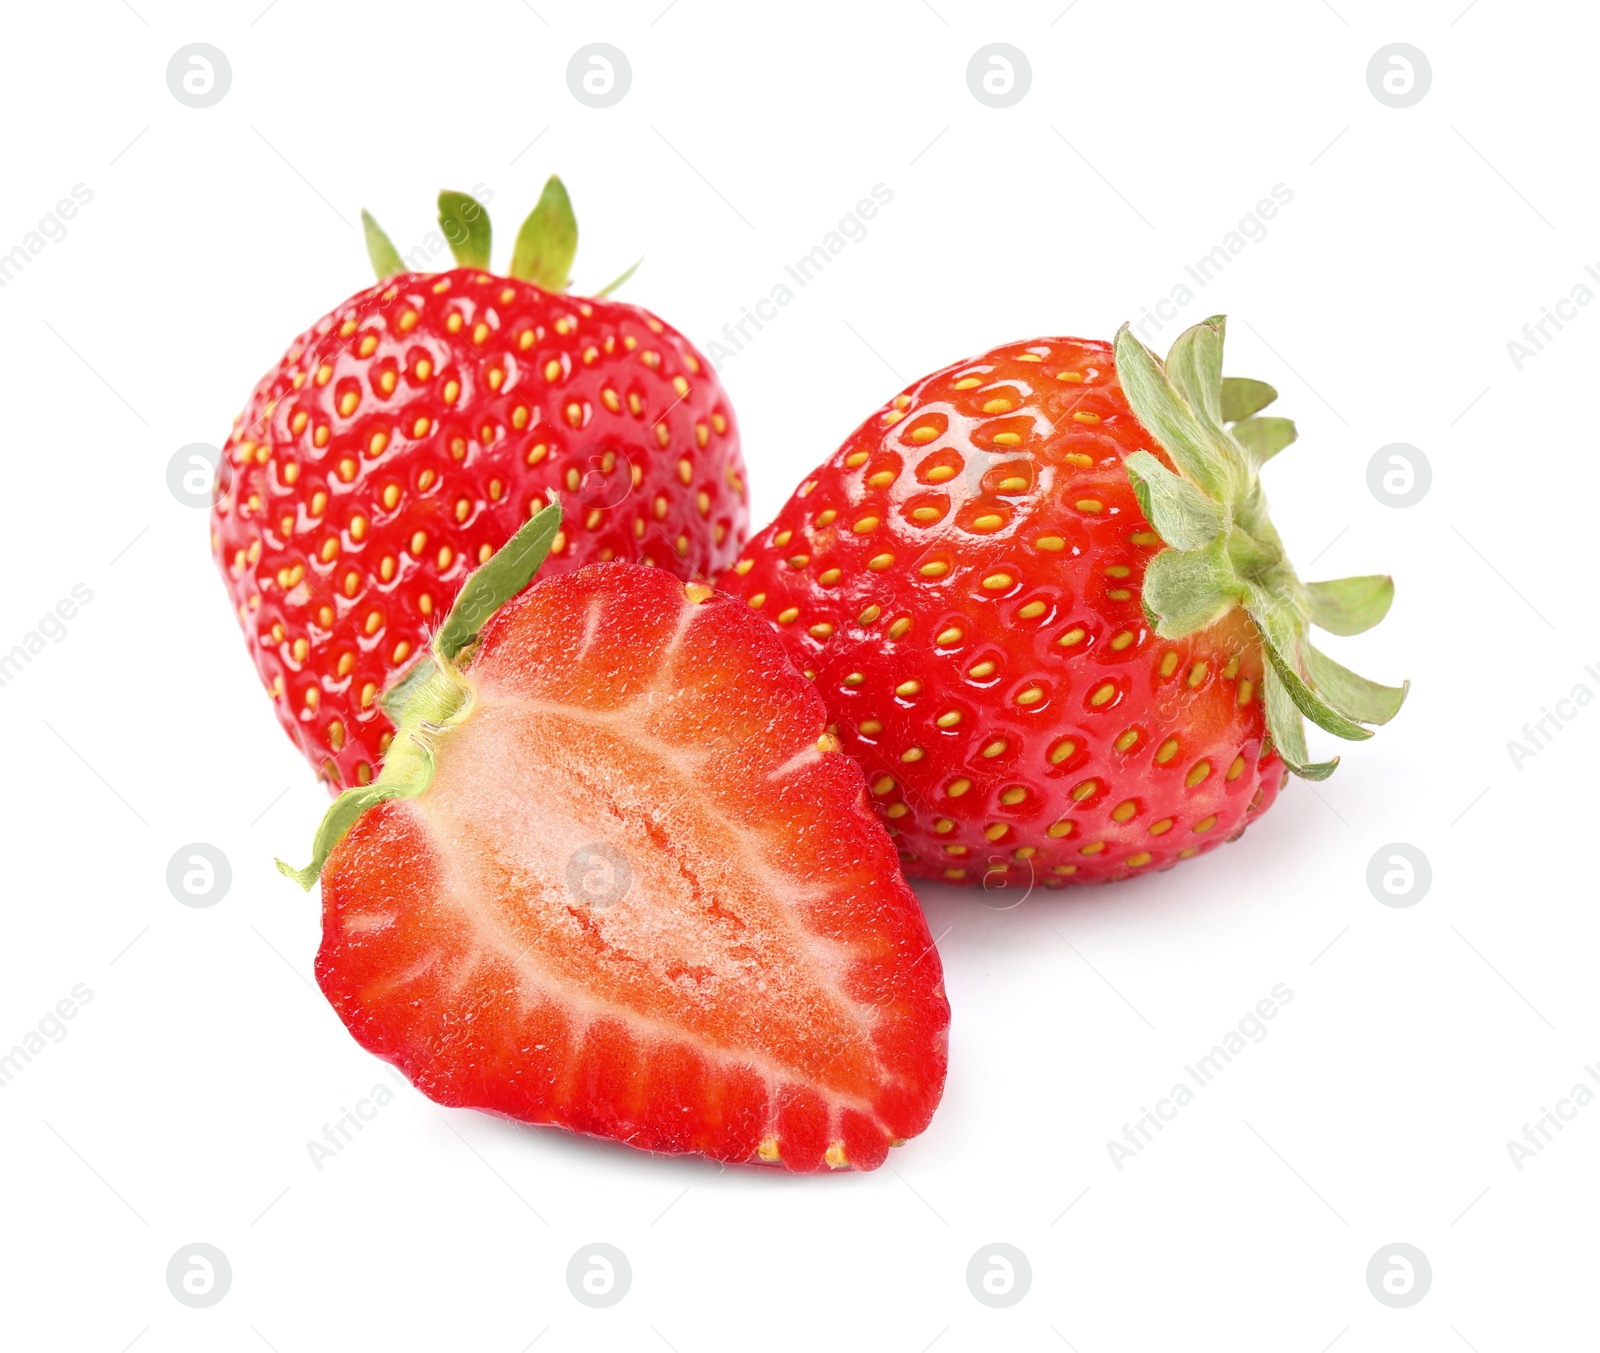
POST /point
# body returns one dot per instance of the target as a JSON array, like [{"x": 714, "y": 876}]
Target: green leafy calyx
[
  {"x": 544, "y": 249},
  {"x": 1223, "y": 553},
  {"x": 434, "y": 696}
]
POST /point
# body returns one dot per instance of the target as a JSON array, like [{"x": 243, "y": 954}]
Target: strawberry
[
  {"x": 405, "y": 437},
  {"x": 1042, "y": 597},
  {"x": 616, "y": 876}
]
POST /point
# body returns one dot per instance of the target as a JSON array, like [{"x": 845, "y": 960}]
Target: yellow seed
[
  {"x": 883, "y": 784},
  {"x": 1205, "y": 824},
  {"x": 1244, "y": 691},
  {"x": 788, "y": 617},
  {"x": 1085, "y": 790},
  {"x": 989, "y": 521},
  {"x": 1075, "y": 635},
  {"x": 947, "y": 637},
  {"x": 1140, "y": 859},
  {"x": 926, "y": 515},
  {"x": 995, "y": 830},
  {"x": 864, "y": 525},
  {"x": 1158, "y": 828},
  {"x": 1197, "y": 773},
  {"x": 1197, "y": 674},
  {"x": 1093, "y": 848},
  {"x": 1007, "y": 439},
  {"x": 1236, "y": 769},
  {"x": 908, "y": 688},
  {"x": 1013, "y": 796},
  {"x": 1013, "y": 484},
  {"x": 1090, "y": 505},
  {"x": 949, "y": 719},
  {"x": 854, "y": 679},
  {"x": 900, "y": 628},
  {"x": 896, "y": 810},
  {"x": 943, "y": 825},
  {"x": 1124, "y": 810},
  {"x": 697, "y": 592},
  {"x": 348, "y": 402},
  {"x": 854, "y": 459},
  {"x": 998, "y": 405},
  {"x": 1033, "y": 610},
  {"x": 1069, "y": 375},
  {"x": 936, "y": 569},
  {"x": 1146, "y": 538},
  {"x": 998, "y": 582},
  {"x": 821, "y": 630},
  {"x": 924, "y": 434},
  {"x": 1102, "y": 694},
  {"x": 768, "y": 1150},
  {"x": 1058, "y": 830},
  {"x": 1050, "y": 544},
  {"x": 994, "y": 748},
  {"x": 879, "y": 562},
  {"x": 1121, "y": 641},
  {"x": 1127, "y": 740},
  {"x": 799, "y": 561},
  {"x": 1084, "y": 417},
  {"x": 881, "y": 479},
  {"x": 912, "y": 754},
  {"x": 828, "y": 577},
  {"x": 1166, "y": 751},
  {"x": 956, "y": 788},
  {"x": 979, "y": 670},
  {"x": 869, "y": 615},
  {"x": 1031, "y": 696},
  {"x": 1062, "y": 750},
  {"x": 939, "y": 473},
  {"x": 1169, "y": 664}
]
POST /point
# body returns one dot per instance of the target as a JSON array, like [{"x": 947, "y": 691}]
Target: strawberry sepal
[
  {"x": 1223, "y": 553},
  {"x": 432, "y": 697}
]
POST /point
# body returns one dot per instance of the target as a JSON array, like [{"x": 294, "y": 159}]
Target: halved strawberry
[{"x": 616, "y": 876}]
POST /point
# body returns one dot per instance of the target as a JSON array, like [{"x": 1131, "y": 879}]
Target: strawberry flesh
[{"x": 643, "y": 896}]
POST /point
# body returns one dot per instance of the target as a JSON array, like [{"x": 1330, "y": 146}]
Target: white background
[{"x": 1418, "y": 1040}]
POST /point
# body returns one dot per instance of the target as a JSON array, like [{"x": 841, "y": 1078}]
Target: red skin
[
  {"x": 306, "y": 616},
  {"x": 765, "y": 988},
  {"x": 1091, "y": 691}
]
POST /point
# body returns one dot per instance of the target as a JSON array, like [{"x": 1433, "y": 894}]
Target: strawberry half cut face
[{"x": 616, "y": 876}]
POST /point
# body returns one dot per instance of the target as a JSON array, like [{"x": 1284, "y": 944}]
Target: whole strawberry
[
  {"x": 1042, "y": 597},
  {"x": 406, "y": 436}
]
